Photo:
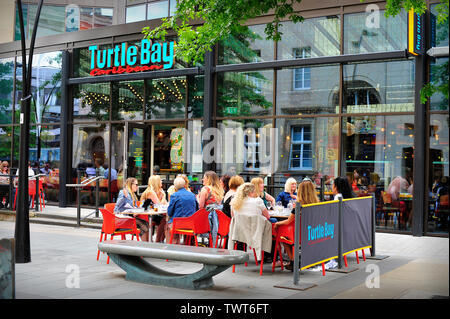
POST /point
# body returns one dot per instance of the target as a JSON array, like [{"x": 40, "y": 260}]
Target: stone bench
[{"x": 128, "y": 255}]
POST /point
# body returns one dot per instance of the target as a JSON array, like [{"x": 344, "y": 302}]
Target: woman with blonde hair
[
  {"x": 127, "y": 199},
  {"x": 306, "y": 194},
  {"x": 154, "y": 195},
  {"x": 233, "y": 184},
  {"x": 289, "y": 192},
  {"x": 246, "y": 202},
  {"x": 211, "y": 192},
  {"x": 259, "y": 189}
]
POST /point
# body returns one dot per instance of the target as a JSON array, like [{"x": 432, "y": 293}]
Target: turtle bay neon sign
[{"x": 124, "y": 58}]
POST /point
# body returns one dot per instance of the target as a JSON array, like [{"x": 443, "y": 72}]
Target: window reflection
[
  {"x": 156, "y": 10},
  {"x": 166, "y": 98},
  {"x": 245, "y": 93},
  {"x": 6, "y": 91},
  {"x": 372, "y": 32},
  {"x": 91, "y": 102},
  {"x": 246, "y": 147},
  {"x": 309, "y": 90},
  {"x": 389, "y": 89},
  {"x": 249, "y": 45},
  {"x": 128, "y": 100},
  {"x": 320, "y": 35},
  {"x": 135, "y": 13},
  {"x": 90, "y": 152}
]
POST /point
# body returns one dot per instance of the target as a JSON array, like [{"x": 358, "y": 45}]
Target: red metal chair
[
  {"x": 110, "y": 207},
  {"x": 115, "y": 226},
  {"x": 193, "y": 225},
  {"x": 223, "y": 229},
  {"x": 32, "y": 193}
]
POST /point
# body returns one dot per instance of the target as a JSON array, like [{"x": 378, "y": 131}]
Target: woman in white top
[{"x": 247, "y": 202}]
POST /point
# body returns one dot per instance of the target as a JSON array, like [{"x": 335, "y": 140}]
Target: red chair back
[
  {"x": 198, "y": 222},
  {"x": 110, "y": 207},
  {"x": 224, "y": 223},
  {"x": 31, "y": 187},
  {"x": 287, "y": 232},
  {"x": 109, "y": 225}
]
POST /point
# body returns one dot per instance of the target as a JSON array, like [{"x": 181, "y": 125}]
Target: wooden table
[{"x": 150, "y": 213}]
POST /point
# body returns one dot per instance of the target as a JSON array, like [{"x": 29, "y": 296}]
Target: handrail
[{"x": 85, "y": 183}]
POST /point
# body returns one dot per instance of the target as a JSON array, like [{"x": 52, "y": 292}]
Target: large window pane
[
  {"x": 389, "y": 89},
  {"x": 156, "y": 10},
  {"x": 378, "y": 160},
  {"x": 6, "y": 90},
  {"x": 48, "y": 154},
  {"x": 245, "y": 93},
  {"x": 46, "y": 88},
  {"x": 5, "y": 144},
  {"x": 117, "y": 159},
  {"x": 245, "y": 147},
  {"x": 90, "y": 152},
  {"x": 135, "y": 13},
  {"x": 439, "y": 79},
  {"x": 91, "y": 102},
  {"x": 308, "y": 90},
  {"x": 51, "y": 20},
  {"x": 438, "y": 219},
  {"x": 195, "y": 99},
  {"x": 128, "y": 100},
  {"x": 441, "y": 32},
  {"x": 250, "y": 45},
  {"x": 103, "y": 17},
  {"x": 372, "y": 32},
  {"x": 320, "y": 36},
  {"x": 166, "y": 98}
]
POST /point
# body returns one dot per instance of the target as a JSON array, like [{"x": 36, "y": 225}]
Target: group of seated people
[{"x": 240, "y": 198}]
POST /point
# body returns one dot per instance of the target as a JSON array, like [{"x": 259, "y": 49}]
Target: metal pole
[
  {"x": 78, "y": 198},
  {"x": 36, "y": 197},
  {"x": 322, "y": 191},
  {"x": 297, "y": 243},
  {"x": 372, "y": 251},
  {"x": 97, "y": 182},
  {"x": 340, "y": 234},
  {"x": 22, "y": 227}
]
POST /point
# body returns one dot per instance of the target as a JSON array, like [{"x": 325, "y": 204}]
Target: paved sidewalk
[{"x": 417, "y": 267}]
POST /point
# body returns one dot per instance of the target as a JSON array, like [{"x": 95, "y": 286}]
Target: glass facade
[
  {"x": 276, "y": 121},
  {"x": 312, "y": 38},
  {"x": 57, "y": 19},
  {"x": 151, "y": 10},
  {"x": 372, "y": 32}
]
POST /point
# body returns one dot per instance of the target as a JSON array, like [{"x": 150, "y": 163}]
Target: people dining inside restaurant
[
  {"x": 289, "y": 193},
  {"x": 182, "y": 204},
  {"x": 233, "y": 184},
  {"x": 127, "y": 199},
  {"x": 268, "y": 200},
  {"x": 155, "y": 195},
  {"x": 306, "y": 194}
]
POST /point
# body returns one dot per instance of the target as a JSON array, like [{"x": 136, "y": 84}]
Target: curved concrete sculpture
[{"x": 128, "y": 255}]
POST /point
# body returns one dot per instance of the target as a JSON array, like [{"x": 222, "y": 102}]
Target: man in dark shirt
[{"x": 182, "y": 204}]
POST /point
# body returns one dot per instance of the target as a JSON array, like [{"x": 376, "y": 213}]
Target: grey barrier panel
[
  {"x": 357, "y": 224},
  {"x": 319, "y": 233},
  {"x": 7, "y": 269}
]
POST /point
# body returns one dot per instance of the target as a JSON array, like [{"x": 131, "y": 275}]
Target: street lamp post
[{"x": 22, "y": 230}]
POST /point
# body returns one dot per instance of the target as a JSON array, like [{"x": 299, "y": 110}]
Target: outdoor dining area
[{"x": 225, "y": 214}]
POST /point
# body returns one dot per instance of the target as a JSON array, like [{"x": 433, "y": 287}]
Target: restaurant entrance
[{"x": 152, "y": 148}]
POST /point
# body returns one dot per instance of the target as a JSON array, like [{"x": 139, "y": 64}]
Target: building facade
[{"x": 339, "y": 95}]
